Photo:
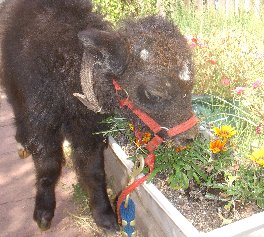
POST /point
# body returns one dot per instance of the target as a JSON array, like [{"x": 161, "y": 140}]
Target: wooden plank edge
[{"x": 244, "y": 227}]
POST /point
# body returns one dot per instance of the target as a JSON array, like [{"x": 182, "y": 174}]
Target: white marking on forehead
[
  {"x": 144, "y": 54},
  {"x": 185, "y": 73},
  {"x": 168, "y": 84}
]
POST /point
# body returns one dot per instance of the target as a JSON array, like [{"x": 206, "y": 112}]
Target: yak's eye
[{"x": 152, "y": 96}]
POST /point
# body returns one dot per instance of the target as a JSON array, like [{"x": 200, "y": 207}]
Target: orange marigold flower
[
  {"x": 142, "y": 139},
  {"x": 217, "y": 146},
  {"x": 225, "y": 131},
  {"x": 179, "y": 149},
  {"x": 146, "y": 137}
]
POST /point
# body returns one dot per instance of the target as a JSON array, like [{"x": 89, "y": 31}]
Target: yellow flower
[
  {"x": 131, "y": 127},
  {"x": 258, "y": 156},
  {"x": 225, "y": 131},
  {"x": 217, "y": 146}
]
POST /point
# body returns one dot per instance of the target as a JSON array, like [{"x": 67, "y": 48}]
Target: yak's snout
[{"x": 186, "y": 138}]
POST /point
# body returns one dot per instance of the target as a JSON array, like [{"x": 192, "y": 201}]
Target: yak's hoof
[
  {"x": 22, "y": 152},
  {"x": 107, "y": 222},
  {"x": 43, "y": 224},
  {"x": 43, "y": 219}
]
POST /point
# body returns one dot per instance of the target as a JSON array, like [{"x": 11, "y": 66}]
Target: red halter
[
  {"x": 152, "y": 124},
  {"x": 152, "y": 144}
]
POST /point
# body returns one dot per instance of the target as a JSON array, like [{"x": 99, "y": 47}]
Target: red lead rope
[
  {"x": 153, "y": 143},
  {"x": 149, "y": 161},
  {"x": 152, "y": 124}
]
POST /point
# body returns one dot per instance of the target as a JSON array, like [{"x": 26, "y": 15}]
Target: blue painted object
[{"x": 128, "y": 217}]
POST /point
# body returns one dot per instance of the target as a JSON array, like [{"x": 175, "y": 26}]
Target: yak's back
[
  {"x": 42, "y": 55},
  {"x": 40, "y": 43}
]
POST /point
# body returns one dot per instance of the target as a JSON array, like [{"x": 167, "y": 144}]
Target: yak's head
[{"x": 151, "y": 60}]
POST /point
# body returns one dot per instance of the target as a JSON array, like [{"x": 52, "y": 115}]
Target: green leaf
[
  {"x": 260, "y": 203},
  {"x": 185, "y": 181},
  {"x": 196, "y": 178},
  {"x": 187, "y": 167},
  {"x": 199, "y": 171}
]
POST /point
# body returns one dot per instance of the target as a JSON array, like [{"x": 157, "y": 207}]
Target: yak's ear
[
  {"x": 109, "y": 48},
  {"x": 106, "y": 50}
]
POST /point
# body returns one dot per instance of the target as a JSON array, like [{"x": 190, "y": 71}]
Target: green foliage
[
  {"x": 116, "y": 10},
  {"x": 236, "y": 180},
  {"x": 251, "y": 100},
  {"x": 228, "y": 50},
  {"x": 116, "y": 125},
  {"x": 216, "y": 111},
  {"x": 184, "y": 166},
  {"x": 226, "y": 61},
  {"x": 239, "y": 178}
]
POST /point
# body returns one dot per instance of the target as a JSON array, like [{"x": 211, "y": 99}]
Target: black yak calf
[{"x": 56, "y": 53}]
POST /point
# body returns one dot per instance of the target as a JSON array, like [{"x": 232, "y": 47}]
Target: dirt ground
[{"x": 17, "y": 181}]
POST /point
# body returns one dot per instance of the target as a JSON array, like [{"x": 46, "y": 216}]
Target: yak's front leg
[
  {"x": 47, "y": 158},
  {"x": 89, "y": 163}
]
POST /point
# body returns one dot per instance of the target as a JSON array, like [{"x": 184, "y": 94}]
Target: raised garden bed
[{"x": 156, "y": 216}]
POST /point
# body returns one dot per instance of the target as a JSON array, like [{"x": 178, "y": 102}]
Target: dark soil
[{"x": 204, "y": 213}]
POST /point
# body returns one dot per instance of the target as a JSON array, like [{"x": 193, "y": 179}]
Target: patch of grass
[
  {"x": 80, "y": 197},
  {"x": 83, "y": 219}
]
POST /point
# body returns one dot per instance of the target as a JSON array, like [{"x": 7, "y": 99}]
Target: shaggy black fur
[{"x": 52, "y": 49}]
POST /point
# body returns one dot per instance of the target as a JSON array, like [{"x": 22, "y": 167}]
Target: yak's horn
[{"x": 88, "y": 97}]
